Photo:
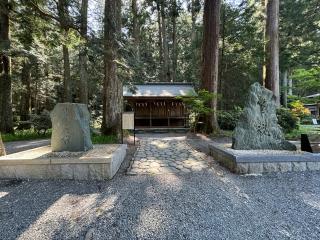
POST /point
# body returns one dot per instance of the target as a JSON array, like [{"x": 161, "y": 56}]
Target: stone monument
[
  {"x": 258, "y": 126},
  {"x": 70, "y": 128}
]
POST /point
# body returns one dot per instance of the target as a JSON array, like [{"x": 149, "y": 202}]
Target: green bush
[
  {"x": 41, "y": 122},
  {"x": 287, "y": 120},
  {"x": 228, "y": 119}
]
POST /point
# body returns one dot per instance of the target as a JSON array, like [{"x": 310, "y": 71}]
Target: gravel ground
[{"x": 213, "y": 204}]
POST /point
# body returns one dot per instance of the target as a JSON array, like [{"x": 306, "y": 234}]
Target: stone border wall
[
  {"x": 247, "y": 163},
  {"x": 77, "y": 170}
]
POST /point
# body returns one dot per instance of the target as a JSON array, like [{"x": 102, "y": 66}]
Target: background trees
[{"x": 64, "y": 51}]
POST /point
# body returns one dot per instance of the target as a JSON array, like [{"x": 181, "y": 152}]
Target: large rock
[
  {"x": 258, "y": 126},
  {"x": 70, "y": 128}
]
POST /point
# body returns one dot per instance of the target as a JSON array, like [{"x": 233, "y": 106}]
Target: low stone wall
[
  {"x": 263, "y": 161},
  {"x": 100, "y": 163}
]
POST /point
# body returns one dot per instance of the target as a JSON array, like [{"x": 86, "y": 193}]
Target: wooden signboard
[{"x": 128, "y": 123}]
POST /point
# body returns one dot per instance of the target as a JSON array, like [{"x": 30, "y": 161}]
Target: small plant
[
  {"x": 298, "y": 109},
  {"x": 41, "y": 122},
  {"x": 198, "y": 105},
  {"x": 228, "y": 119},
  {"x": 287, "y": 120}
]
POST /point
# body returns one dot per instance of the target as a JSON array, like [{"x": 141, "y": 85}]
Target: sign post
[{"x": 128, "y": 124}]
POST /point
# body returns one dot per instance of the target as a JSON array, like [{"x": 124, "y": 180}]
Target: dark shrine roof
[{"x": 160, "y": 90}]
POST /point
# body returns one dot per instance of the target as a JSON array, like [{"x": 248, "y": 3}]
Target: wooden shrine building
[{"x": 156, "y": 104}]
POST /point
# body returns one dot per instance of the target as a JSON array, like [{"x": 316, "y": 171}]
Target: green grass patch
[
  {"x": 103, "y": 139},
  {"x": 21, "y": 135},
  {"x": 303, "y": 129}
]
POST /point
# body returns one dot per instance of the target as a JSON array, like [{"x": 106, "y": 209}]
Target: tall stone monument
[
  {"x": 70, "y": 128},
  {"x": 258, "y": 126}
]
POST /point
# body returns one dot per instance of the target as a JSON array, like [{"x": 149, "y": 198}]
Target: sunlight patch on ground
[
  {"x": 312, "y": 200},
  {"x": 2, "y": 194},
  {"x": 71, "y": 212}
]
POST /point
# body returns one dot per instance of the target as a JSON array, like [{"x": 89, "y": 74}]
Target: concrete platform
[
  {"x": 102, "y": 162},
  {"x": 263, "y": 161}
]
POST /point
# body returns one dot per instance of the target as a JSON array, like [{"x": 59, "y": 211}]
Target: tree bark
[
  {"x": 160, "y": 40},
  {"x": 6, "y": 119},
  {"x": 272, "y": 49},
  {"x": 166, "y": 67},
  {"x": 290, "y": 86},
  {"x": 174, "y": 40},
  {"x": 64, "y": 24},
  {"x": 112, "y": 86},
  {"x": 135, "y": 29},
  {"x": 2, "y": 148},
  {"x": 285, "y": 88},
  {"x": 210, "y": 56},
  {"x": 83, "y": 57},
  {"x": 25, "y": 103}
]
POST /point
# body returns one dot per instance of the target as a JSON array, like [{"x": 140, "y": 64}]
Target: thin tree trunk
[
  {"x": 285, "y": 88},
  {"x": 25, "y": 103},
  {"x": 6, "y": 120},
  {"x": 193, "y": 21},
  {"x": 83, "y": 57},
  {"x": 174, "y": 40},
  {"x": 66, "y": 75},
  {"x": 272, "y": 47},
  {"x": 135, "y": 29},
  {"x": 290, "y": 86},
  {"x": 210, "y": 56},
  {"x": 166, "y": 69},
  {"x": 112, "y": 87},
  {"x": 63, "y": 19},
  {"x": 160, "y": 41},
  {"x": 2, "y": 148},
  {"x": 264, "y": 34}
]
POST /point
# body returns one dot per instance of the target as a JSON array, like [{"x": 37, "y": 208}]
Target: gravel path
[
  {"x": 18, "y": 146},
  {"x": 212, "y": 204}
]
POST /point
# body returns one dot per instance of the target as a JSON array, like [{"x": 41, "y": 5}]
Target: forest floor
[{"x": 210, "y": 204}]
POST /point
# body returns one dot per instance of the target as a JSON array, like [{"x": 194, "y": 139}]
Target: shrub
[
  {"x": 41, "y": 122},
  {"x": 228, "y": 119},
  {"x": 287, "y": 120},
  {"x": 299, "y": 110}
]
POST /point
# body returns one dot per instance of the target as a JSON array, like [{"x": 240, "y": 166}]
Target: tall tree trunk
[
  {"x": 221, "y": 85},
  {"x": 6, "y": 120},
  {"x": 64, "y": 21},
  {"x": 67, "y": 86},
  {"x": 25, "y": 103},
  {"x": 290, "y": 85},
  {"x": 135, "y": 29},
  {"x": 83, "y": 58},
  {"x": 210, "y": 56},
  {"x": 264, "y": 34},
  {"x": 166, "y": 67},
  {"x": 285, "y": 88},
  {"x": 2, "y": 148},
  {"x": 112, "y": 87},
  {"x": 174, "y": 40},
  {"x": 160, "y": 41},
  {"x": 272, "y": 49}
]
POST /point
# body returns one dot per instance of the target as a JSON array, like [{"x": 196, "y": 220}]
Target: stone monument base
[
  {"x": 263, "y": 161},
  {"x": 100, "y": 163}
]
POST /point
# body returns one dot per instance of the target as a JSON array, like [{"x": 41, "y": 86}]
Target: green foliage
[
  {"x": 41, "y": 122},
  {"x": 298, "y": 110},
  {"x": 228, "y": 119},
  {"x": 287, "y": 120},
  {"x": 306, "y": 81},
  {"x": 103, "y": 139},
  {"x": 21, "y": 135},
  {"x": 198, "y": 105},
  {"x": 303, "y": 129}
]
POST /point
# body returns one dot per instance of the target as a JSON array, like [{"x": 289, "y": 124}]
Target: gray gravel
[
  {"x": 208, "y": 205},
  {"x": 213, "y": 204}
]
